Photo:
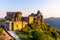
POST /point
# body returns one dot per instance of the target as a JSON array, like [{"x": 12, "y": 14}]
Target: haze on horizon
[{"x": 49, "y": 8}]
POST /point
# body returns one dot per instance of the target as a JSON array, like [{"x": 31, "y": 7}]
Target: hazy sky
[{"x": 49, "y": 8}]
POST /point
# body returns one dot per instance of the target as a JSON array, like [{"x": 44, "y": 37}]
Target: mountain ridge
[{"x": 53, "y": 21}]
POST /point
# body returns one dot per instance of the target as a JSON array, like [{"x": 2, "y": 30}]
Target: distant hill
[
  {"x": 1, "y": 18},
  {"x": 53, "y": 21}
]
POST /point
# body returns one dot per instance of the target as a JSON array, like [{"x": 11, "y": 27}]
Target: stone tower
[
  {"x": 18, "y": 16},
  {"x": 39, "y": 17},
  {"x": 31, "y": 19}
]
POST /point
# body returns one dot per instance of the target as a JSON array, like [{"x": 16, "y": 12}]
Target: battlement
[{"x": 19, "y": 21}]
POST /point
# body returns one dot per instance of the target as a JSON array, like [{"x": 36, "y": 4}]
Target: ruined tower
[
  {"x": 18, "y": 16},
  {"x": 31, "y": 19},
  {"x": 39, "y": 17}
]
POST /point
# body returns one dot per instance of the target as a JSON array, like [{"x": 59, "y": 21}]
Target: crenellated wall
[{"x": 19, "y": 21}]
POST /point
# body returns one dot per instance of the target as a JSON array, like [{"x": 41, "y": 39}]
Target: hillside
[
  {"x": 53, "y": 21},
  {"x": 43, "y": 31},
  {"x": 33, "y": 31}
]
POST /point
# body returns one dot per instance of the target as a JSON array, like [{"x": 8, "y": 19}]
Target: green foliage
[
  {"x": 34, "y": 33},
  {"x": 38, "y": 35},
  {"x": 1, "y": 31},
  {"x": 1, "y": 21},
  {"x": 23, "y": 35},
  {"x": 34, "y": 26}
]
